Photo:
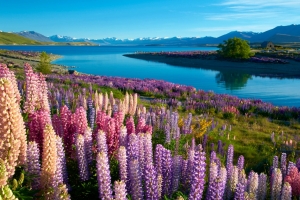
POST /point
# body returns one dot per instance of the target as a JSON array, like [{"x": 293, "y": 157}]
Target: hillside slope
[{"x": 11, "y": 38}]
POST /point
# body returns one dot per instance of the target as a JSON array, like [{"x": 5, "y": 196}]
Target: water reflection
[{"x": 232, "y": 81}]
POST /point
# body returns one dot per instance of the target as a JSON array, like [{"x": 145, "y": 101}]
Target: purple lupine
[
  {"x": 141, "y": 153},
  {"x": 158, "y": 158},
  {"x": 123, "y": 136},
  {"x": 177, "y": 167},
  {"x": 276, "y": 184},
  {"x": 232, "y": 182},
  {"x": 286, "y": 193},
  {"x": 148, "y": 148},
  {"x": 283, "y": 164},
  {"x": 151, "y": 183},
  {"x": 184, "y": 171},
  {"x": 241, "y": 161},
  {"x": 262, "y": 186},
  {"x": 135, "y": 179},
  {"x": 122, "y": 158},
  {"x": 133, "y": 147},
  {"x": 190, "y": 167},
  {"x": 88, "y": 145},
  {"x": 253, "y": 184},
  {"x": 61, "y": 174},
  {"x": 120, "y": 190},
  {"x": 223, "y": 177},
  {"x": 213, "y": 173},
  {"x": 101, "y": 142},
  {"x": 81, "y": 156},
  {"x": 198, "y": 178},
  {"x": 33, "y": 166},
  {"x": 240, "y": 189},
  {"x": 167, "y": 171},
  {"x": 229, "y": 160},
  {"x": 103, "y": 176},
  {"x": 168, "y": 133},
  {"x": 216, "y": 190},
  {"x": 290, "y": 166}
]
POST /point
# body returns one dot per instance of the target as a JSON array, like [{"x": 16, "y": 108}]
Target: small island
[{"x": 264, "y": 63}]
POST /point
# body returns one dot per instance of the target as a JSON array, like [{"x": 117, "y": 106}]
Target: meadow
[{"x": 95, "y": 137}]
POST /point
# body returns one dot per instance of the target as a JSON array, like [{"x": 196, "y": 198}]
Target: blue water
[{"x": 109, "y": 61}]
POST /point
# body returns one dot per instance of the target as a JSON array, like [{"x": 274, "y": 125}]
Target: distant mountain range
[{"x": 279, "y": 34}]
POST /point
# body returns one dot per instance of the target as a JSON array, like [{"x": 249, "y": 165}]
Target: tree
[
  {"x": 44, "y": 65},
  {"x": 235, "y": 48}
]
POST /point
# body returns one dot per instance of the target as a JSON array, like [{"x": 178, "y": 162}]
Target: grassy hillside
[{"x": 11, "y": 38}]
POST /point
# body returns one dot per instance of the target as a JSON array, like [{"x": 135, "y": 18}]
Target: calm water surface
[{"x": 109, "y": 61}]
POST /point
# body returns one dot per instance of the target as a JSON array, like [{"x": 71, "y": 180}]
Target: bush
[
  {"x": 44, "y": 65},
  {"x": 235, "y": 48}
]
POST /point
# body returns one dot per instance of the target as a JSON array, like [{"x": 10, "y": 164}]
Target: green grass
[{"x": 11, "y": 38}]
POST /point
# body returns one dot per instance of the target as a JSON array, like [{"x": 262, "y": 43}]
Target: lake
[{"x": 109, "y": 61}]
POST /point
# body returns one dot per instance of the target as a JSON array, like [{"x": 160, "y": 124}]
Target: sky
[{"x": 96, "y": 19}]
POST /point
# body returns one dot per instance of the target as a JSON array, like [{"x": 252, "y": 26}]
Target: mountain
[
  {"x": 34, "y": 36},
  {"x": 279, "y": 34},
  {"x": 59, "y": 38},
  {"x": 12, "y": 38}
]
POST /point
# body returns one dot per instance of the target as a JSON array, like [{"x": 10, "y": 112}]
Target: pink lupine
[
  {"x": 293, "y": 178},
  {"x": 120, "y": 190},
  {"x": 81, "y": 120},
  {"x": 140, "y": 125},
  {"x": 36, "y": 125},
  {"x": 130, "y": 125}
]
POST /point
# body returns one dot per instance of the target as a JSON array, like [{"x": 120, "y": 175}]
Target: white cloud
[{"x": 255, "y": 28}]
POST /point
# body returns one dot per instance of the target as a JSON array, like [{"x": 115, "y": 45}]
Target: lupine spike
[
  {"x": 198, "y": 176},
  {"x": 120, "y": 190},
  {"x": 286, "y": 193},
  {"x": 135, "y": 180},
  {"x": 33, "y": 166},
  {"x": 103, "y": 176},
  {"x": 81, "y": 156}
]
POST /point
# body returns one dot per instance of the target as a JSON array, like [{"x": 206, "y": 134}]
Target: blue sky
[{"x": 140, "y": 18}]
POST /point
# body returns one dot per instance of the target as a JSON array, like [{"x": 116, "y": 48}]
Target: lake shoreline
[{"x": 272, "y": 70}]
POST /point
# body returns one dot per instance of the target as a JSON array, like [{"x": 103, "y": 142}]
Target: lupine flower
[
  {"x": 176, "y": 172},
  {"x": 7, "y": 193},
  {"x": 88, "y": 145},
  {"x": 276, "y": 184},
  {"x": 198, "y": 176},
  {"x": 141, "y": 153},
  {"x": 135, "y": 180},
  {"x": 132, "y": 147},
  {"x": 33, "y": 166},
  {"x": 123, "y": 136},
  {"x": 101, "y": 142},
  {"x": 151, "y": 183},
  {"x": 286, "y": 193},
  {"x": 10, "y": 128},
  {"x": 232, "y": 182},
  {"x": 262, "y": 186},
  {"x": 130, "y": 125},
  {"x": 61, "y": 169},
  {"x": 103, "y": 176},
  {"x": 240, "y": 163},
  {"x": 140, "y": 126},
  {"x": 122, "y": 158},
  {"x": 120, "y": 190},
  {"x": 167, "y": 171},
  {"x": 213, "y": 173},
  {"x": 283, "y": 164},
  {"x": 293, "y": 178},
  {"x": 49, "y": 159},
  {"x": 81, "y": 120},
  {"x": 81, "y": 156},
  {"x": 253, "y": 184},
  {"x": 275, "y": 162},
  {"x": 148, "y": 148}
]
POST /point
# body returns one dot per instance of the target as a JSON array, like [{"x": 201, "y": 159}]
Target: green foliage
[
  {"x": 44, "y": 65},
  {"x": 235, "y": 48}
]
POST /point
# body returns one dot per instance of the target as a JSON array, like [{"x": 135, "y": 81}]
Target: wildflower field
[{"x": 94, "y": 137}]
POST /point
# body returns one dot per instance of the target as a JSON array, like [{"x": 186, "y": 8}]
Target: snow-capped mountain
[{"x": 279, "y": 34}]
